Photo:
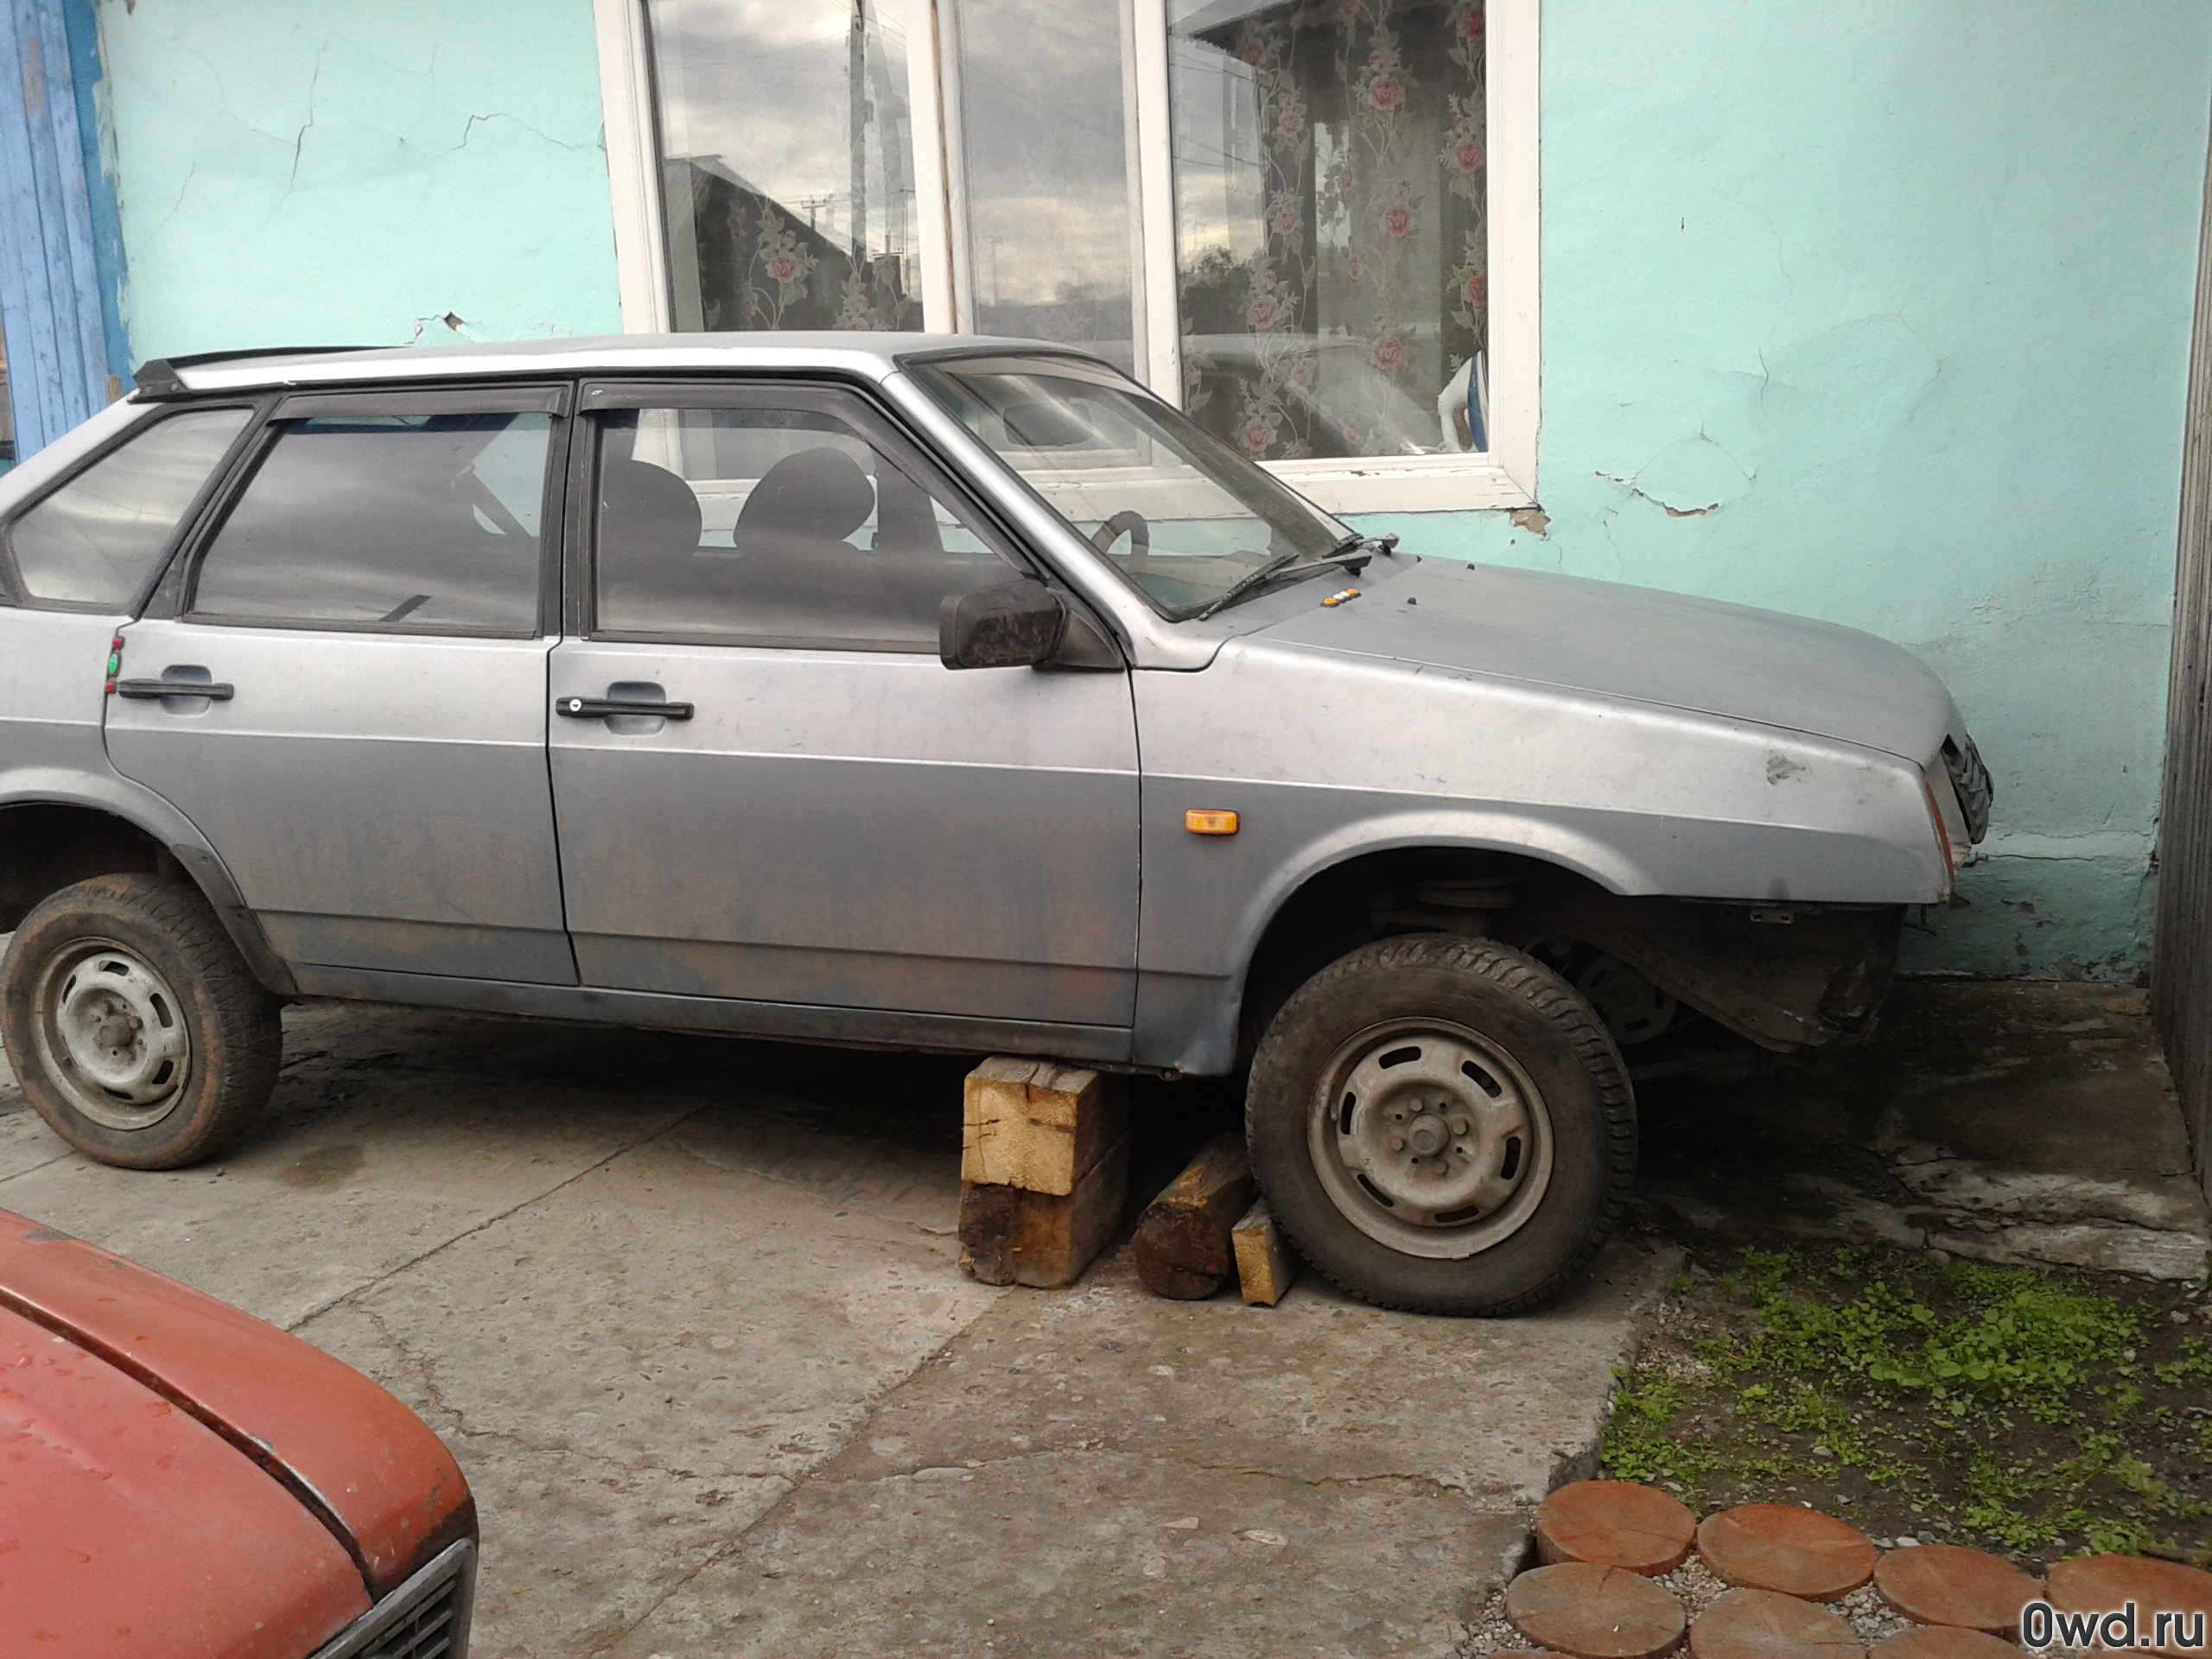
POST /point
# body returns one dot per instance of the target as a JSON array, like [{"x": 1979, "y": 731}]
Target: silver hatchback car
[{"x": 925, "y": 692}]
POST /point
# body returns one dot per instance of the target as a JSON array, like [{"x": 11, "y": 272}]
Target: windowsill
[{"x": 1404, "y": 483}]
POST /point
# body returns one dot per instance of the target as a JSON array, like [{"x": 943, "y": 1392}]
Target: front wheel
[
  {"x": 1441, "y": 1124},
  {"x": 134, "y": 1026}
]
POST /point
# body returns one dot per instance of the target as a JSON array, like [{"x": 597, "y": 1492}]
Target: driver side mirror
[{"x": 1013, "y": 625}]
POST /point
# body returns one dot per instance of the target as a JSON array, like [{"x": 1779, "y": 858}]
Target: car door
[
  {"x": 73, "y": 560},
  {"x": 819, "y": 811},
  {"x": 368, "y": 615}
]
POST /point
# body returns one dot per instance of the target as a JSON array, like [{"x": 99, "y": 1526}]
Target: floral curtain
[
  {"x": 1362, "y": 285},
  {"x": 761, "y": 265}
]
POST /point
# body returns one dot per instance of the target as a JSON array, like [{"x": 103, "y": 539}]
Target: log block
[
  {"x": 1182, "y": 1247},
  {"x": 1009, "y": 1235},
  {"x": 1045, "y": 1171},
  {"x": 1265, "y": 1262},
  {"x": 1037, "y": 1126}
]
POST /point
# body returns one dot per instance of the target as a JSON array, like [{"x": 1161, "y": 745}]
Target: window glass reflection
[
  {"x": 1332, "y": 264},
  {"x": 787, "y": 163},
  {"x": 1037, "y": 88},
  {"x": 95, "y": 539}
]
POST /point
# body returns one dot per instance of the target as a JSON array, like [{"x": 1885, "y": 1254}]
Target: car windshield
[{"x": 1179, "y": 514}]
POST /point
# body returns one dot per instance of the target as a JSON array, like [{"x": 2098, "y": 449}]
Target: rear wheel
[
  {"x": 133, "y": 1027},
  {"x": 1441, "y": 1124}
]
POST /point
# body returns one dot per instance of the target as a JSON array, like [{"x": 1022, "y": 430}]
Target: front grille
[
  {"x": 1970, "y": 778},
  {"x": 427, "y": 1617}
]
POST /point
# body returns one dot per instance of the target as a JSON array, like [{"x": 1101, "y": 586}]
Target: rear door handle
[
  {"x": 597, "y": 707},
  {"x": 147, "y": 691}
]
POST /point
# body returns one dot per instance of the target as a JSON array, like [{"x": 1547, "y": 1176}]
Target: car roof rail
[{"x": 159, "y": 376}]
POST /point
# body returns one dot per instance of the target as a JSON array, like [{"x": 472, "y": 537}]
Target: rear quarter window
[{"x": 94, "y": 540}]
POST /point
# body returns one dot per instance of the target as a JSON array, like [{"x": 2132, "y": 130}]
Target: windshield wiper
[{"x": 1350, "y": 555}]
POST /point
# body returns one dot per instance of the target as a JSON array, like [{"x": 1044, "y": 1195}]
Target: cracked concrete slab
[
  {"x": 666, "y": 1344},
  {"x": 348, "y": 1180},
  {"x": 1354, "y": 1481},
  {"x": 1094, "y": 1552}
]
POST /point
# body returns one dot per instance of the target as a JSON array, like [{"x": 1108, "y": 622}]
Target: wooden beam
[
  {"x": 1045, "y": 1171},
  {"x": 1182, "y": 1245},
  {"x": 1036, "y": 1125},
  {"x": 1265, "y": 1262}
]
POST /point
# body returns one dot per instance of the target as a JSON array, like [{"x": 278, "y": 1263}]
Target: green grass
[{"x": 2039, "y": 1411}]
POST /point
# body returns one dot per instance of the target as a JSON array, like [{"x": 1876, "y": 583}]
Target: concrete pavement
[{"x": 689, "y": 1313}]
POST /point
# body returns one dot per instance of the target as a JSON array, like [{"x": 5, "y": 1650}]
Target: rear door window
[
  {"x": 90, "y": 544},
  {"x": 404, "y": 522}
]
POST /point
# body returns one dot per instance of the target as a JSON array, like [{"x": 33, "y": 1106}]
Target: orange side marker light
[{"x": 1209, "y": 821}]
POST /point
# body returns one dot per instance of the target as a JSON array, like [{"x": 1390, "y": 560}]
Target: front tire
[
  {"x": 134, "y": 1026},
  {"x": 1441, "y": 1124}
]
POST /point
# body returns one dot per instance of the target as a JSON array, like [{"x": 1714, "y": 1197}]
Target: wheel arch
[
  {"x": 62, "y": 833},
  {"x": 1313, "y": 911}
]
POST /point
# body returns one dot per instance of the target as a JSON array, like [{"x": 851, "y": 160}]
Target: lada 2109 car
[{"x": 941, "y": 693}]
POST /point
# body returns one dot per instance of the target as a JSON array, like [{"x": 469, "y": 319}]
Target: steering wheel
[{"x": 1130, "y": 522}]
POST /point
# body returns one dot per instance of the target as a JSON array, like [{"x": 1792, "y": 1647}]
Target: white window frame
[{"x": 1502, "y": 477}]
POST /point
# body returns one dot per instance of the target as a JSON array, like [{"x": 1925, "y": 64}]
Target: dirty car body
[
  {"x": 860, "y": 689},
  {"x": 180, "y": 1478}
]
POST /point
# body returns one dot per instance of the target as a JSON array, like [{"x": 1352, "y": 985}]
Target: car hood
[
  {"x": 1612, "y": 641},
  {"x": 350, "y": 1454},
  {"x": 131, "y": 1530}
]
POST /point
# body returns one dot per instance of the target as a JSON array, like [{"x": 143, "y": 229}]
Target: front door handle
[
  {"x": 598, "y": 708},
  {"x": 147, "y": 691}
]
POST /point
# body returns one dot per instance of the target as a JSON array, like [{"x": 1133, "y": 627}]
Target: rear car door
[
  {"x": 369, "y": 612},
  {"x": 74, "y": 560},
  {"x": 825, "y": 815}
]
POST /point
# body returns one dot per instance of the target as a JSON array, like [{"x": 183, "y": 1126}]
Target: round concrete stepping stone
[
  {"x": 1949, "y": 1584},
  {"x": 1942, "y": 1642},
  {"x": 1767, "y": 1625},
  {"x": 2109, "y": 1583},
  {"x": 1594, "y": 1612},
  {"x": 1779, "y": 1546},
  {"x": 1615, "y": 1524}
]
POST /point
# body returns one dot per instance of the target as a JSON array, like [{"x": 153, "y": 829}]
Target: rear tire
[
  {"x": 1441, "y": 1124},
  {"x": 134, "y": 1026}
]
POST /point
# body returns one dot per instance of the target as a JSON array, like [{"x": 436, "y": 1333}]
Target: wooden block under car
[
  {"x": 1044, "y": 1168},
  {"x": 1182, "y": 1245},
  {"x": 1265, "y": 1262},
  {"x": 1010, "y": 1235},
  {"x": 1036, "y": 1125}
]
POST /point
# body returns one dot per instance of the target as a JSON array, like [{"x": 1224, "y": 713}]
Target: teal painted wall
[
  {"x": 356, "y": 171},
  {"x": 1881, "y": 313}
]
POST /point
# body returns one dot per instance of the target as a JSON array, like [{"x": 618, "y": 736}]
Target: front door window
[{"x": 773, "y": 523}]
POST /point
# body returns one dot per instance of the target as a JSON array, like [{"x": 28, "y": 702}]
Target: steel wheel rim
[
  {"x": 112, "y": 1034},
  {"x": 1430, "y": 1138}
]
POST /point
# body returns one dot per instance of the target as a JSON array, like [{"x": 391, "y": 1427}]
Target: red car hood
[
  {"x": 352, "y": 1457},
  {"x": 129, "y": 1530}
]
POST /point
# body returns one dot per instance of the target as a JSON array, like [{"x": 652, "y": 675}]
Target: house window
[
  {"x": 1332, "y": 272},
  {"x": 1311, "y": 223},
  {"x": 786, "y": 165}
]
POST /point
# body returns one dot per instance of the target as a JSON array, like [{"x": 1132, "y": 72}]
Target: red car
[{"x": 178, "y": 1480}]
